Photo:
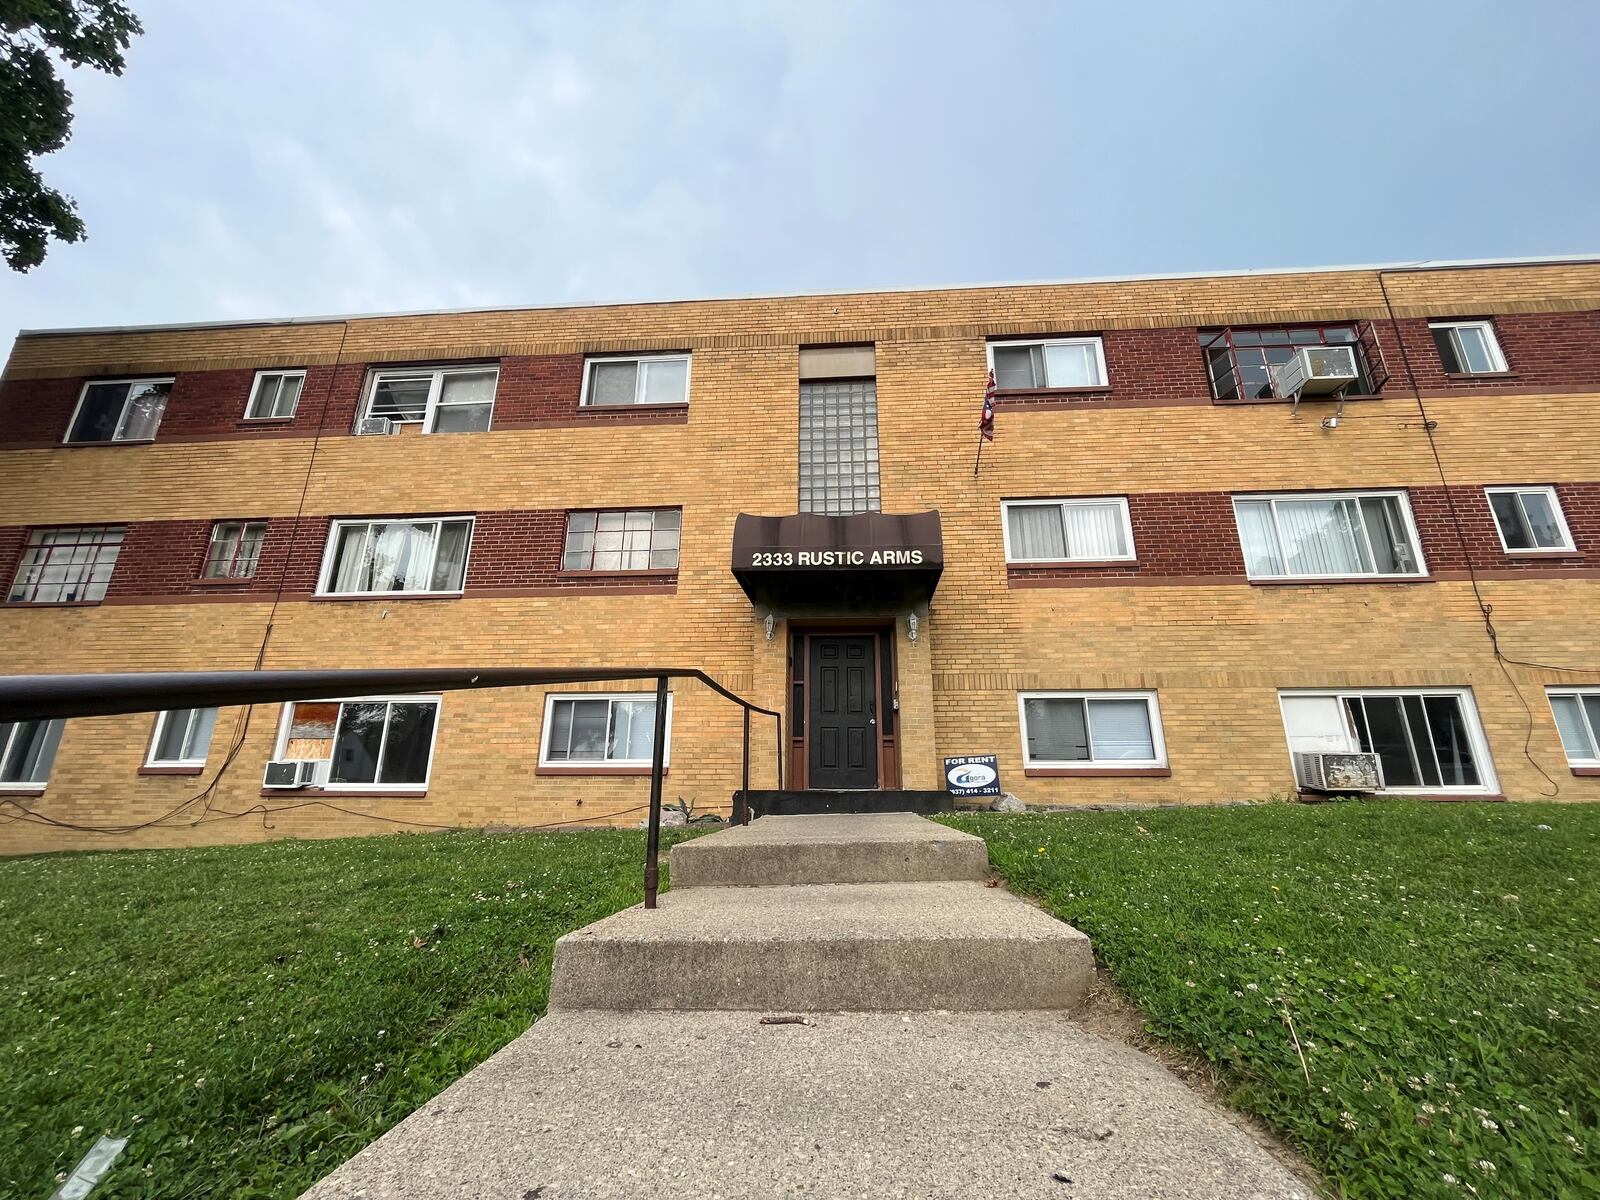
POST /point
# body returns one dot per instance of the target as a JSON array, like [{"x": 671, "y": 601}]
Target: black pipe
[{"x": 652, "y": 839}]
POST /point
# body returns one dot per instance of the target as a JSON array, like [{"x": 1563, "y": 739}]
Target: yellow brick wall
[{"x": 1217, "y": 654}]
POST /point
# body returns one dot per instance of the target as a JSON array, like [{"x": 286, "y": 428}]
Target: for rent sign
[{"x": 972, "y": 775}]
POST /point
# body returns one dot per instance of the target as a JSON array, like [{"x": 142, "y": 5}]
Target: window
[
  {"x": 235, "y": 549},
  {"x": 642, "y": 379},
  {"x": 1468, "y": 347},
  {"x": 635, "y": 540},
  {"x": 182, "y": 737},
  {"x": 1529, "y": 518},
  {"x": 275, "y": 395},
  {"x": 1328, "y": 536},
  {"x": 1426, "y": 741},
  {"x": 378, "y": 742},
  {"x": 122, "y": 410},
  {"x": 382, "y": 558},
  {"x": 65, "y": 566},
  {"x": 1090, "y": 530},
  {"x": 439, "y": 400},
  {"x": 1091, "y": 729},
  {"x": 602, "y": 730},
  {"x": 839, "y": 447},
  {"x": 1578, "y": 721},
  {"x": 27, "y": 750},
  {"x": 1059, "y": 363},
  {"x": 1241, "y": 360}
]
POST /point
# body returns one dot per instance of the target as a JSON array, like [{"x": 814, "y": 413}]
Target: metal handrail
[{"x": 47, "y": 697}]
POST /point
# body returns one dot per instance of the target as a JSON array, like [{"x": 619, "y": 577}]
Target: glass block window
[
  {"x": 839, "y": 447},
  {"x": 638, "y": 539},
  {"x": 61, "y": 566}
]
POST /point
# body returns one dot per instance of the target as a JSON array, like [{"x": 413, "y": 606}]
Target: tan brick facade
[{"x": 1215, "y": 646}]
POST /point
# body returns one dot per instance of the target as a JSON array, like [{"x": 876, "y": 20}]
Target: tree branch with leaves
[{"x": 36, "y": 110}]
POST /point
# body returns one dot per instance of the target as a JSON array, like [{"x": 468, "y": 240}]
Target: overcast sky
[{"x": 293, "y": 158}]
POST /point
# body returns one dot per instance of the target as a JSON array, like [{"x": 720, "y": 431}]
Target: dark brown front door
[{"x": 843, "y": 733}]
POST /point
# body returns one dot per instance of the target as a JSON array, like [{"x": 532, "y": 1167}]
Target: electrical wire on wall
[{"x": 1485, "y": 609}]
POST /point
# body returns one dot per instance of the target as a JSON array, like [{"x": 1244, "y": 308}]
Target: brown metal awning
[{"x": 865, "y": 558}]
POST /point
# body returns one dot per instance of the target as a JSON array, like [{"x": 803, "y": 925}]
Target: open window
[
  {"x": 432, "y": 399},
  {"x": 1426, "y": 741},
  {"x": 375, "y": 743},
  {"x": 1468, "y": 347},
  {"x": 119, "y": 410}
]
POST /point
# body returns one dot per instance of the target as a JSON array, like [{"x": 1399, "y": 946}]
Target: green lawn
[
  {"x": 252, "y": 1016},
  {"x": 1440, "y": 965}
]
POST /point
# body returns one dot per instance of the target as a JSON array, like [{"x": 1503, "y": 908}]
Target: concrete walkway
[{"x": 914, "y": 1074}]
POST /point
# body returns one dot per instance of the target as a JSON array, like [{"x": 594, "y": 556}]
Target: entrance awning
[{"x": 866, "y": 558}]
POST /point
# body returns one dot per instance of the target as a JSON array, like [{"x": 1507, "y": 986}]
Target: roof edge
[{"x": 334, "y": 318}]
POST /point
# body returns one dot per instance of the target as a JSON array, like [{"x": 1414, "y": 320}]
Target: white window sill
[{"x": 389, "y": 595}]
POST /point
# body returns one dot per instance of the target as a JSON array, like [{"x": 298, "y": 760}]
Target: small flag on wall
[{"x": 985, "y": 423}]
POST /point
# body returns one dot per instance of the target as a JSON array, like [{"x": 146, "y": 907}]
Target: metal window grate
[
  {"x": 60, "y": 566},
  {"x": 1241, "y": 360},
  {"x": 839, "y": 447}
]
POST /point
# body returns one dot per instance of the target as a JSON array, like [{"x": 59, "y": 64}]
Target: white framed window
[
  {"x": 182, "y": 737},
  {"x": 1468, "y": 347},
  {"x": 235, "y": 550},
  {"x": 436, "y": 399},
  {"x": 1577, "y": 713},
  {"x": 373, "y": 743},
  {"x": 1110, "y": 730},
  {"x": 1529, "y": 518},
  {"x": 635, "y": 379},
  {"x": 67, "y": 566},
  {"x": 1328, "y": 535},
  {"x": 1084, "y": 529},
  {"x": 638, "y": 539},
  {"x": 1427, "y": 740},
  {"x": 119, "y": 410},
  {"x": 396, "y": 556},
  {"x": 597, "y": 729},
  {"x": 27, "y": 752},
  {"x": 274, "y": 396},
  {"x": 1053, "y": 363}
]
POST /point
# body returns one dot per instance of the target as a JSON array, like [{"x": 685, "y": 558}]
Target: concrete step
[
  {"x": 791, "y": 802},
  {"x": 596, "y": 1105},
  {"x": 850, "y": 947},
  {"x": 864, "y": 848}
]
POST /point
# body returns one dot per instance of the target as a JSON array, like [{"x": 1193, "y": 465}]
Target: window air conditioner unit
[
  {"x": 1338, "y": 772},
  {"x": 375, "y": 425},
  {"x": 292, "y": 773},
  {"x": 1316, "y": 371}
]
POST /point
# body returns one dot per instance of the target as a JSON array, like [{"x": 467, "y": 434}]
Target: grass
[
  {"x": 1440, "y": 965},
  {"x": 252, "y": 1016}
]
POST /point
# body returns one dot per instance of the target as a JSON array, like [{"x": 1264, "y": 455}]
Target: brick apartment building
[{"x": 1166, "y": 577}]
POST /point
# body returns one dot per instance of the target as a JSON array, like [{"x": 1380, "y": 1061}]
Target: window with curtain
[
  {"x": 1577, "y": 713},
  {"x": 27, "y": 752},
  {"x": 602, "y": 730},
  {"x": 182, "y": 737},
  {"x": 1529, "y": 518},
  {"x": 1426, "y": 741},
  {"x": 1327, "y": 536},
  {"x": 1058, "y": 363},
  {"x": 439, "y": 400},
  {"x": 373, "y": 742},
  {"x": 67, "y": 566},
  {"x": 396, "y": 556},
  {"x": 235, "y": 549},
  {"x": 637, "y": 379},
  {"x": 1112, "y": 729},
  {"x": 1093, "y": 529},
  {"x": 125, "y": 410}
]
